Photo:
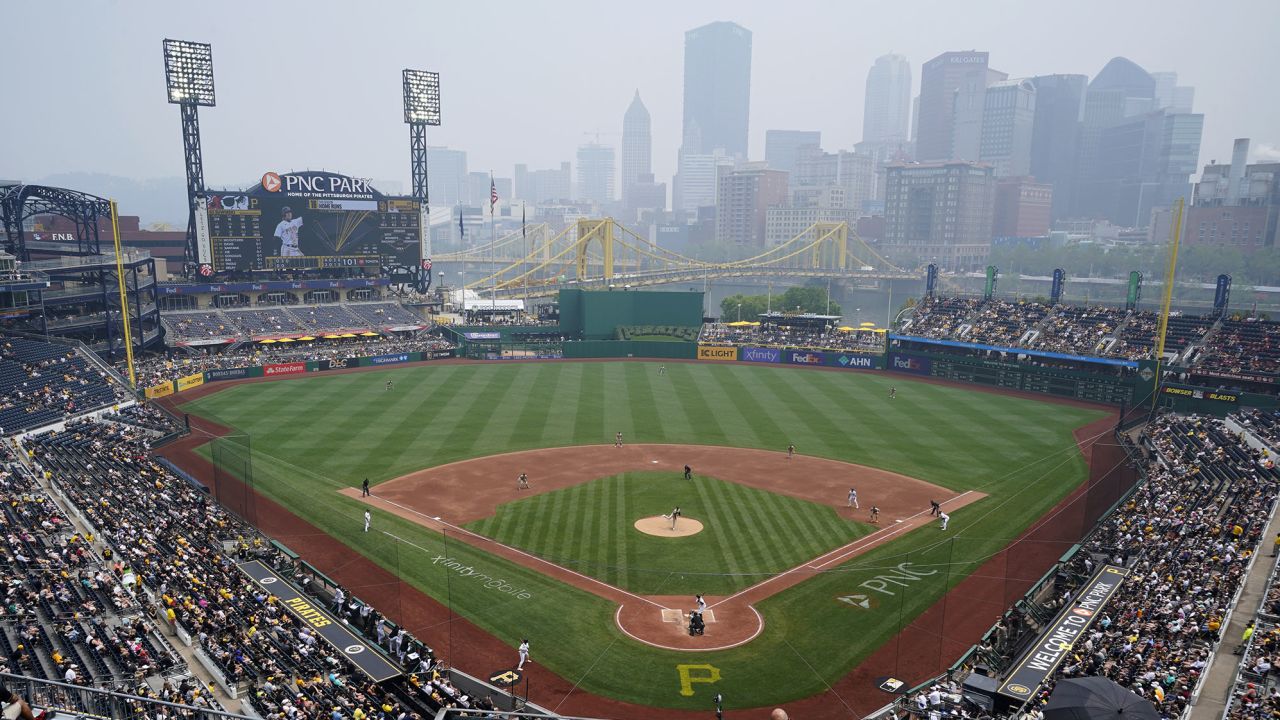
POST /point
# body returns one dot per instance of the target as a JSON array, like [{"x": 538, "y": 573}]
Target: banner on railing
[
  {"x": 190, "y": 381},
  {"x": 159, "y": 391},
  {"x": 334, "y": 631},
  {"x": 1039, "y": 662}
]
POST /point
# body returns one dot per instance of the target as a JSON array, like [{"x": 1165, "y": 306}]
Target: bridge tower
[
  {"x": 831, "y": 250},
  {"x": 589, "y": 230}
]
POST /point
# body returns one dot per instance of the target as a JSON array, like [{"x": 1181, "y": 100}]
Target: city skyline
[{"x": 356, "y": 127}]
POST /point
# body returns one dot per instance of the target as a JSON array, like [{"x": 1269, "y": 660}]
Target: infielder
[
  {"x": 791, "y": 450},
  {"x": 945, "y": 518},
  {"x": 875, "y": 514},
  {"x": 617, "y": 439},
  {"x": 522, "y": 482},
  {"x": 524, "y": 654},
  {"x": 367, "y": 520},
  {"x": 853, "y": 498},
  {"x": 287, "y": 231}
]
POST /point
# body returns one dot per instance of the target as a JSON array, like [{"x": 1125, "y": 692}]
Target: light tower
[
  {"x": 421, "y": 108},
  {"x": 188, "y": 75}
]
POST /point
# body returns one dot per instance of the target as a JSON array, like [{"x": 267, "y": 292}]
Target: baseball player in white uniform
[
  {"x": 945, "y": 518},
  {"x": 287, "y": 231},
  {"x": 524, "y": 654},
  {"x": 367, "y": 520},
  {"x": 853, "y": 498}
]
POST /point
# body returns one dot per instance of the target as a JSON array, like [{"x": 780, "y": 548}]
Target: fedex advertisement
[{"x": 914, "y": 365}]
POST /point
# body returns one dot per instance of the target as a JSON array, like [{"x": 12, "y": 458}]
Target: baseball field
[{"x": 802, "y": 587}]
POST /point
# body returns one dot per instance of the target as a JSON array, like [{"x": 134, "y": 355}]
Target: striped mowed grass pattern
[
  {"x": 314, "y": 435},
  {"x": 348, "y": 427},
  {"x": 748, "y": 533}
]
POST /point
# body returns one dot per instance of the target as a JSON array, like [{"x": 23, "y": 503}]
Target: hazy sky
[{"x": 317, "y": 84}]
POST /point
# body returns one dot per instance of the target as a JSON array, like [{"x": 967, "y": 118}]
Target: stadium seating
[
  {"x": 241, "y": 324},
  {"x": 792, "y": 337},
  {"x": 172, "y": 536},
  {"x": 1244, "y": 346},
  {"x": 42, "y": 383},
  {"x": 1187, "y": 533}
]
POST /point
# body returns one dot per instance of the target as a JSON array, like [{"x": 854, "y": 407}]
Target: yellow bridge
[{"x": 599, "y": 253}]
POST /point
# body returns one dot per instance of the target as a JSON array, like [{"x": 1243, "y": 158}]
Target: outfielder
[{"x": 287, "y": 231}]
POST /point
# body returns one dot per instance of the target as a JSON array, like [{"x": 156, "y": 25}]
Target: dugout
[{"x": 596, "y": 314}]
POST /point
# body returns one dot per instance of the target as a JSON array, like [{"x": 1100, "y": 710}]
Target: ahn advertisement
[
  {"x": 717, "y": 352},
  {"x": 759, "y": 354},
  {"x": 816, "y": 358},
  {"x": 908, "y": 364}
]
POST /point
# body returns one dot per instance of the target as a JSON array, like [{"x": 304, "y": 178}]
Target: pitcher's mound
[{"x": 661, "y": 526}]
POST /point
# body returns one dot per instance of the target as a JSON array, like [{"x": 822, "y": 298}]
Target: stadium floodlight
[
  {"x": 421, "y": 97},
  {"x": 188, "y": 72}
]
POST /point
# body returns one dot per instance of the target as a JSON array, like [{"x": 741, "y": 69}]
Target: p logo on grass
[{"x": 704, "y": 674}]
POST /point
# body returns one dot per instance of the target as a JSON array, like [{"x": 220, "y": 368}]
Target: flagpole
[
  {"x": 493, "y": 264},
  {"x": 524, "y": 265}
]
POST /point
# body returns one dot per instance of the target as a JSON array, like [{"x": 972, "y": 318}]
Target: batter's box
[{"x": 678, "y": 616}]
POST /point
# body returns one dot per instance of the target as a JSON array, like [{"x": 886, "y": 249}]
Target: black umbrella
[{"x": 1097, "y": 698}]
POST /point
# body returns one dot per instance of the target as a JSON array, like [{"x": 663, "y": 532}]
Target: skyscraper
[
  {"x": 1144, "y": 162},
  {"x": 544, "y": 186},
  {"x": 743, "y": 200},
  {"x": 637, "y": 147},
  {"x": 447, "y": 181},
  {"x": 1008, "y": 118},
  {"x": 1055, "y": 135},
  {"x": 940, "y": 212},
  {"x": 717, "y": 89},
  {"x": 940, "y": 79},
  {"x": 595, "y": 173},
  {"x": 695, "y": 182},
  {"x": 855, "y": 172},
  {"x": 783, "y": 148},
  {"x": 886, "y": 113},
  {"x": 1120, "y": 90}
]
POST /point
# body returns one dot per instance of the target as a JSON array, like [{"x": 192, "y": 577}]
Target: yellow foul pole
[
  {"x": 124, "y": 303},
  {"x": 1175, "y": 236}
]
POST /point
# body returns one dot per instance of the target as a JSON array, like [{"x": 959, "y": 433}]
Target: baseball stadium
[{"x": 303, "y": 473}]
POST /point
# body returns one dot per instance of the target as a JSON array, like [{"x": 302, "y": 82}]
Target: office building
[
  {"x": 1008, "y": 120},
  {"x": 696, "y": 179},
  {"x": 886, "y": 112},
  {"x": 595, "y": 173},
  {"x": 743, "y": 199},
  {"x": 854, "y": 172},
  {"x": 1023, "y": 207},
  {"x": 1143, "y": 162},
  {"x": 940, "y": 212},
  {"x": 1235, "y": 205},
  {"x": 1120, "y": 91},
  {"x": 968, "y": 113},
  {"x": 544, "y": 186},
  {"x": 446, "y": 176},
  {"x": 1169, "y": 95},
  {"x": 637, "y": 148},
  {"x": 478, "y": 189},
  {"x": 1055, "y": 135},
  {"x": 782, "y": 148},
  {"x": 943, "y": 80},
  {"x": 717, "y": 89},
  {"x": 786, "y": 222}
]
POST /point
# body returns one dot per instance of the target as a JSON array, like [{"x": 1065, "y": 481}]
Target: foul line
[
  {"x": 520, "y": 552},
  {"x": 845, "y": 551},
  {"x": 617, "y": 620}
]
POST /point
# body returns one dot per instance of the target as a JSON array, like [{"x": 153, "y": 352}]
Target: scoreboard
[{"x": 309, "y": 221}]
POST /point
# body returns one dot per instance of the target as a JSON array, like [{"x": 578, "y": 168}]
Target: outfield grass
[
  {"x": 314, "y": 435},
  {"x": 589, "y": 528}
]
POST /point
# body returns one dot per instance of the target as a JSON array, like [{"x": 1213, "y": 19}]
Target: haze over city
[{"x": 317, "y": 84}]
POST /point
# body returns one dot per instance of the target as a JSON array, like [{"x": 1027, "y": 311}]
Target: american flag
[{"x": 493, "y": 193}]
